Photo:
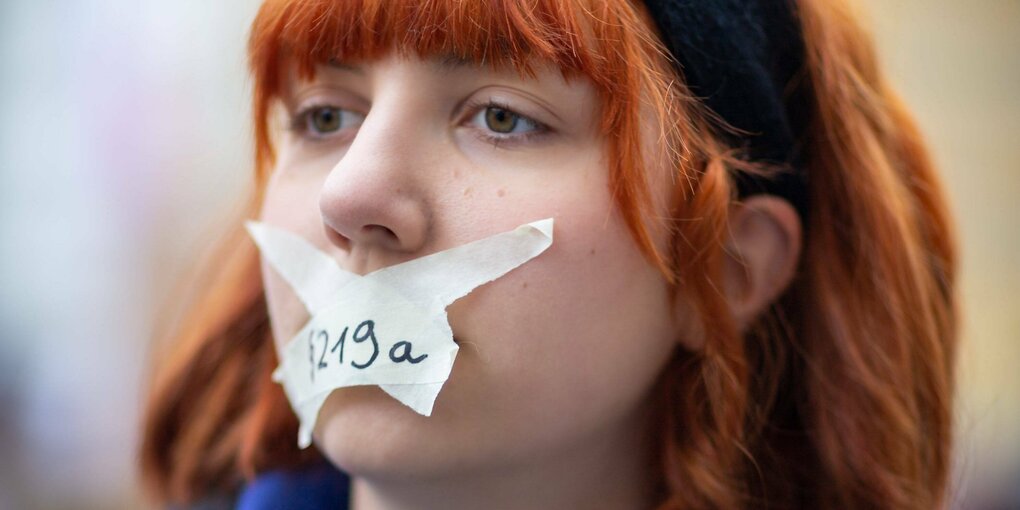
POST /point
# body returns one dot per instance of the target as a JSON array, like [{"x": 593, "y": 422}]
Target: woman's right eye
[{"x": 323, "y": 121}]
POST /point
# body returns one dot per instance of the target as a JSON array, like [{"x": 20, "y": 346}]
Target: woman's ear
[{"x": 762, "y": 251}]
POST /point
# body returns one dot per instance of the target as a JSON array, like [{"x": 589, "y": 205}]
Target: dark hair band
[{"x": 740, "y": 57}]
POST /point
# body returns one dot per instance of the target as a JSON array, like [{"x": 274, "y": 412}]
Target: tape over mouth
[{"x": 388, "y": 328}]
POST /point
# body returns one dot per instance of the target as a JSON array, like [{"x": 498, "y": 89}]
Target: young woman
[{"x": 749, "y": 302}]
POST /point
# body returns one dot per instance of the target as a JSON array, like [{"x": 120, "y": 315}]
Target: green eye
[
  {"x": 500, "y": 120},
  {"x": 325, "y": 120}
]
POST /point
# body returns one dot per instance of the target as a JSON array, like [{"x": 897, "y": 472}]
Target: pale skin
[{"x": 549, "y": 401}]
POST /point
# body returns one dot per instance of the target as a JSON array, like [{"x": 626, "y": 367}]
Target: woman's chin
[{"x": 367, "y": 433}]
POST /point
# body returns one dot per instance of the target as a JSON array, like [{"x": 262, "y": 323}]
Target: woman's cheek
[
  {"x": 581, "y": 331},
  {"x": 292, "y": 203},
  {"x": 287, "y": 313}
]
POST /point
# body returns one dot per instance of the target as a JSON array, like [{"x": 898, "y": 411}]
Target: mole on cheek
[
  {"x": 500, "y": 193},
  {"x": 592, "y": 251}
]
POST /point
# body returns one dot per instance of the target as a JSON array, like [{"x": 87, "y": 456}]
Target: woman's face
[{"x": 390, "y": 160}]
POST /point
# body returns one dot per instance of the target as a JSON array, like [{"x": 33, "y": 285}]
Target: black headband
[{"x": 740, "y": 57}]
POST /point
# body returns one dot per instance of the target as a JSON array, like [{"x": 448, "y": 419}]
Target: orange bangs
[{"x": 609, "y": 42}]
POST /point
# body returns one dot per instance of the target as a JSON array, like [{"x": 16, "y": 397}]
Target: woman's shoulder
[
  {"x": 320, "y": 486},
  {"x": 316, "y": 487}
]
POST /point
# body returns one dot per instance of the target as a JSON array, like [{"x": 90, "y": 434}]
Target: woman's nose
[{"x": 372, "y": 199}]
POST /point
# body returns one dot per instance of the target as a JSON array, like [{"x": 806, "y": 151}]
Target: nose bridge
[{"x": 373, "y": 197}]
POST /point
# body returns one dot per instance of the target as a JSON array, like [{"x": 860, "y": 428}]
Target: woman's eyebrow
[
  {"x": 336, "y": 64},
  {"x": 446, "y": 63}
]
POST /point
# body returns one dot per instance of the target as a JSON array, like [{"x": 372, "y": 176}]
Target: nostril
[
  {"x": 371, "y": 234},
  {"x": 338, "y": 239},
  {"x": 379, "y": 232}
]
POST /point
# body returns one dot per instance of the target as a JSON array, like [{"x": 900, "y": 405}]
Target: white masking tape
[{"x": 387, "y": 328}]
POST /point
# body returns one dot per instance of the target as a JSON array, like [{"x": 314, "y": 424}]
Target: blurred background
[{"x": 124, "y": 152}]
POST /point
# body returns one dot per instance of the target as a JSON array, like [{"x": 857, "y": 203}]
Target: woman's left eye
[{"x": 501, "y": 123}]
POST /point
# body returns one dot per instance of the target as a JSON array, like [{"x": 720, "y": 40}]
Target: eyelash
[
  {"x": 300, "y": 124},
  {"x": 503, "y": 139}
]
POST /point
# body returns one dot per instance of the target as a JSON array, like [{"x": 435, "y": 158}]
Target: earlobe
[{"x": 762, "y": 252}]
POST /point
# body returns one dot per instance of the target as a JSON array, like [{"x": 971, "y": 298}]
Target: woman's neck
[{"x": 615, "y": 472}]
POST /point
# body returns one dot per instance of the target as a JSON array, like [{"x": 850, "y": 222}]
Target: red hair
[{"x": 839, "y": 396}]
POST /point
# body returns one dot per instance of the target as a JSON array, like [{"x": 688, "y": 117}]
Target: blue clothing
[{"x": 319, "y": 487}]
